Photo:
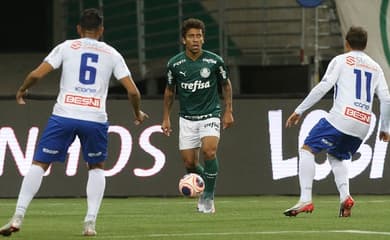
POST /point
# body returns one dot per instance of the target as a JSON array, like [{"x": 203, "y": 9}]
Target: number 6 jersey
[
  {"x": 355, "y": 78},
  {"x": 87, "y": 66}
]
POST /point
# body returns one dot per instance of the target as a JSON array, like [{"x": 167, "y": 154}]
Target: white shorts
[{"x": 191, "y": 132}]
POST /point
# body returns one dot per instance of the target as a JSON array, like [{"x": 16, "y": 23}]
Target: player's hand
[
  {"x": 384, "y": 136},
  {"x": 227, "y": 120},
  {"x": 166, "y": 127},
  {"x": 293, "y": 119},
  {"x": 140, "y": 118},
  {"x": 19, "y": 96}
]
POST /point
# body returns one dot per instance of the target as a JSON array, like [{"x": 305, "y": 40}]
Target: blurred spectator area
[{"x": 271, "y": 47}]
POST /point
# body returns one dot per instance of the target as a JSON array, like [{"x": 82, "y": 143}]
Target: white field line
[{"x": 179, "y": 235}]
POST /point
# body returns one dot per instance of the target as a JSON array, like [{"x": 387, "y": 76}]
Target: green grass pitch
[{"x": 247, "y": 217}]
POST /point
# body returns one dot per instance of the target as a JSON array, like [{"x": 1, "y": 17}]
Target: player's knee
[
  {"x": 43, "y": 165},
  {"x": 99, "y": 165},
  {"x": 189, "y": 164},
  {"x": 307, "y": 148},
  {"x": 209, "y": 153}
]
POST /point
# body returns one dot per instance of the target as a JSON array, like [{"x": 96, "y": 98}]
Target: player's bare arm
[
  {"x": 32, "y": 78},
  {"x": 293, "y": 119},
  {"x": 227, "y": 119},
  {"x": 169, "y": 95},
  {"x": 135, "y": 98}
]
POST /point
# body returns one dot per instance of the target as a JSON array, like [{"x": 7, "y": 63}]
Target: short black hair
[
  {"x": 91, "y": 19},
  {"x": 192, "y": 23},
  {"x": 357, "y": 38}
]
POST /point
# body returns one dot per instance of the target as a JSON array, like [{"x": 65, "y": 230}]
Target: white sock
[
  {"x": 340, "y": 172},
  {"x": 306, "y": 174},
  {"x": 30, "y": 186},
  {"x": 95, "y": 191}
]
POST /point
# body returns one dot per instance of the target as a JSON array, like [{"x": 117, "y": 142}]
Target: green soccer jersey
[{"x": 197, "y": 84}]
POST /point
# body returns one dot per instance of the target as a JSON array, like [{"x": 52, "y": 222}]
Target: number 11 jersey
[{"x": 356, "y": 78}]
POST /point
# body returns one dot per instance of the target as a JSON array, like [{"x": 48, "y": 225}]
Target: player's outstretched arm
[
  {"x": 31, "y": 79},
  {"x": 169, "y": 96},
  {"x": 135, "y": 98},
  {"x": 293, "y": 119}
]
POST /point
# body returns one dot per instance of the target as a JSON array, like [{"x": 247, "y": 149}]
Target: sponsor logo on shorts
[
  {"x": 82, "y": 101},
  {"x": 212, "y": 125},
  {"x": 49, "y": 151},
  {"x": 97, "y": 154},
  {"x": 326, "y": 142},
  {"x": 358, "y": 115}
]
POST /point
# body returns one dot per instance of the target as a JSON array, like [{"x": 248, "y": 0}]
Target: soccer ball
[{"x": 191, "y": 185}]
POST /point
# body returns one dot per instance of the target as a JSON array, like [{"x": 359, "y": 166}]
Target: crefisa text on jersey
[{"x": 198, "y": 84}]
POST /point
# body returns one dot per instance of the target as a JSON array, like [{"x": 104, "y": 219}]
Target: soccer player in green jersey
[{"x": 196, "y": 74}]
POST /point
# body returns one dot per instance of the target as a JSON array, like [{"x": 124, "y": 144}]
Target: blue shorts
[
  {"x": 60, "y": 133},
  {"x": 323, "y": 136}
]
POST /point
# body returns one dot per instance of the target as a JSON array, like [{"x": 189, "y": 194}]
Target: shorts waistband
[{"x": 198, "y": 117}]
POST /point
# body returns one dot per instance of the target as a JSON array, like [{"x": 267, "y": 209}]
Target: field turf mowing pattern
[{"x": 246, "y": 217}]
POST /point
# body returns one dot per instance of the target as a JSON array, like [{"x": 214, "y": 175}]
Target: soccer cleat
[
  {"x": 346, "y": 206},
  {"x": 208, "y": 206},
  {"x": 89, "y": 228},
  {"x": 307, "y": 207},
  {"x": 201, "y": 201},
  {"x": 12, "y": 226}
]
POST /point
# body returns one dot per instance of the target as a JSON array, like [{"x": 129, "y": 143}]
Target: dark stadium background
[
  {"x": 272, "y": 76},
  {"x": 26, "y": 26}
]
